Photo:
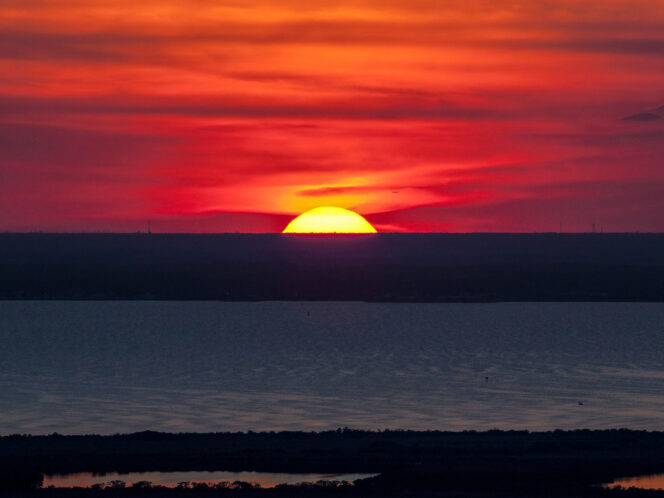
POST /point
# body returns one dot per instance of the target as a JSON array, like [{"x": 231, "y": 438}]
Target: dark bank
[
  {"x": 382, "y": 267},
  {"x": 451, "y": 463}
]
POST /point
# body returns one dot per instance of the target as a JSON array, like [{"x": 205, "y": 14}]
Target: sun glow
[{"x": 329, "y": 219}]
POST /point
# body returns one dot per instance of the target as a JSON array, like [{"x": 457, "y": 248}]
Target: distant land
[
  {"x": 409, "y": 463},
  {"x": 382, "y": 267}
]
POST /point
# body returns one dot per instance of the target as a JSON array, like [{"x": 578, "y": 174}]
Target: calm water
[
  {"x": 107, "y": 367},
  {"x": 655, "y": 481},
  {"x": 171, "y": 479}
]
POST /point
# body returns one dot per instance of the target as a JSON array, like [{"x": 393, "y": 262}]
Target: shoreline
[{"x": 469, "y": 461}]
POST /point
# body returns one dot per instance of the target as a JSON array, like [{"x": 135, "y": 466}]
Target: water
[
  {"x": 655, "y": 481},
  {"x": 172, "y": 479},
  {"x": 107, "y": 367}
]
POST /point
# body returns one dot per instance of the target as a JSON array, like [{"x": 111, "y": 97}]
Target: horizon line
[{"x": 330, "y": 234}]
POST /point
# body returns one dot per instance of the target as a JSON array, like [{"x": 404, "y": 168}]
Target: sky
[{"x": 421, "y": 115}]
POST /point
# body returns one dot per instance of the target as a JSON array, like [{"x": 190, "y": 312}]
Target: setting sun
[{"x": 329, "y": 219}]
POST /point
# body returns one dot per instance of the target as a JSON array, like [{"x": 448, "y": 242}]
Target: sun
[{"x": 329, "y": 219}]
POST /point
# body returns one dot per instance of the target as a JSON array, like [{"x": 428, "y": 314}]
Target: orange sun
[{"x": 329, "y": 219}]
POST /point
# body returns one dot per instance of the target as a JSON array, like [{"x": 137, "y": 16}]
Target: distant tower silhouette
[
  {"x": 149, "y": 227},
  {"x": 593, "y": 227}
]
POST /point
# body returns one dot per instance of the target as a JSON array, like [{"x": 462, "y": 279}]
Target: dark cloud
[
  {"x": 654, "y": 115},
  {"x": 646, "y": 46},
  {"x": 205, "y": 222},
  {"x": 612, "y": 206},
  {"x": 329, "y": 191},
  {"x": 606, "y": 139},
  {"x": 242, "y": 105},
  {"x": 79, "y": 150},
  {"x": 132, "y": 43},
  {"x": 643, "y": 116}
]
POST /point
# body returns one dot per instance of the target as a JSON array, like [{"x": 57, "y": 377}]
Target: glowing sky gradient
[{"x": 422, "y": 115}]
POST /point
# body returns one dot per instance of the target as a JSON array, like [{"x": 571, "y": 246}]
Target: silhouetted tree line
[
  {"x": 431, "y": 461},
  {"x": 14, "y": 478},
  {"x": 116, "y": 485},
  {"x": 330, "y": 489},
  {"x": 385, "y": 267}
]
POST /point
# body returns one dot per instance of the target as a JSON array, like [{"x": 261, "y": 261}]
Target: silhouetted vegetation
[
  {"x": 15, "y": 477},
  {"x": 383, "y": 267},
  {"x": 328, "y": 490},
  {"x": 427, "y": 462}
]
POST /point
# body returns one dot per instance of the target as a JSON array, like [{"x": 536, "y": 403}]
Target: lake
[
  {"x": 121, "y": 366},
  {"x": 654, "y": 481},
  {"x": 172, "y": 479}
]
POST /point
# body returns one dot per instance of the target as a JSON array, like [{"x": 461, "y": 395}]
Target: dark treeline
[
  {"x": 463, "y": 462},
  {"x": 382, "y": 267},
  {"x": 325, "y": 491},
  {"x": 322, "y": 489}
]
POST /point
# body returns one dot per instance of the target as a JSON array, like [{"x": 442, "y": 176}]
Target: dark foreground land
[
  {"x": 382, "y": 267},
  {"x": 463, "y": 464},
  {"x": 331, "y": 492}
]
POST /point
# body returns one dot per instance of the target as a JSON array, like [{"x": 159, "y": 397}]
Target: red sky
[{"x": 422, "y": 115}]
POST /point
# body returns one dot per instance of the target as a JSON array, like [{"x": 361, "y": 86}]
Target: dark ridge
[{"x": 383, "y": 267}]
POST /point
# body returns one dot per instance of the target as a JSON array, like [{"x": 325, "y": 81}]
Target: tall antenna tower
[{"x": 150, "y": 227}]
